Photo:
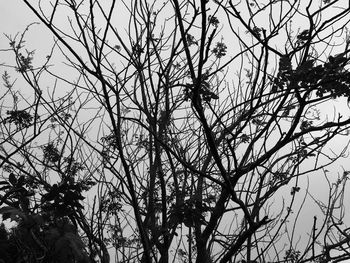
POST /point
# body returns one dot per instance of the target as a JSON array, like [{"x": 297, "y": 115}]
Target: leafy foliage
[
  {"x": 21, "y": 118},
  {"x": 330, "y": 79},
  {"x": 45, "y": 230},
  {"x": 36, "y": 239}
]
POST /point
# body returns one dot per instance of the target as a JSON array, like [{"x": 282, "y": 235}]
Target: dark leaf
[
  {"x": 52, "y": 194},
  {"x": 12, "y": 179},
  {"x": 21, "y": 181},
  {"x": 303, "y": 36}
]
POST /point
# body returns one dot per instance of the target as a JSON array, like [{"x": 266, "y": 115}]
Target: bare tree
[{"x": 191, "y": 126}]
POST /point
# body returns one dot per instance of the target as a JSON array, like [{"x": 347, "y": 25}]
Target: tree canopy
[{"x": 176, "y": 131}]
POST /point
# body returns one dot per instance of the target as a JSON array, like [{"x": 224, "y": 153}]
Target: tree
[{"x": 185, "y": 132}]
